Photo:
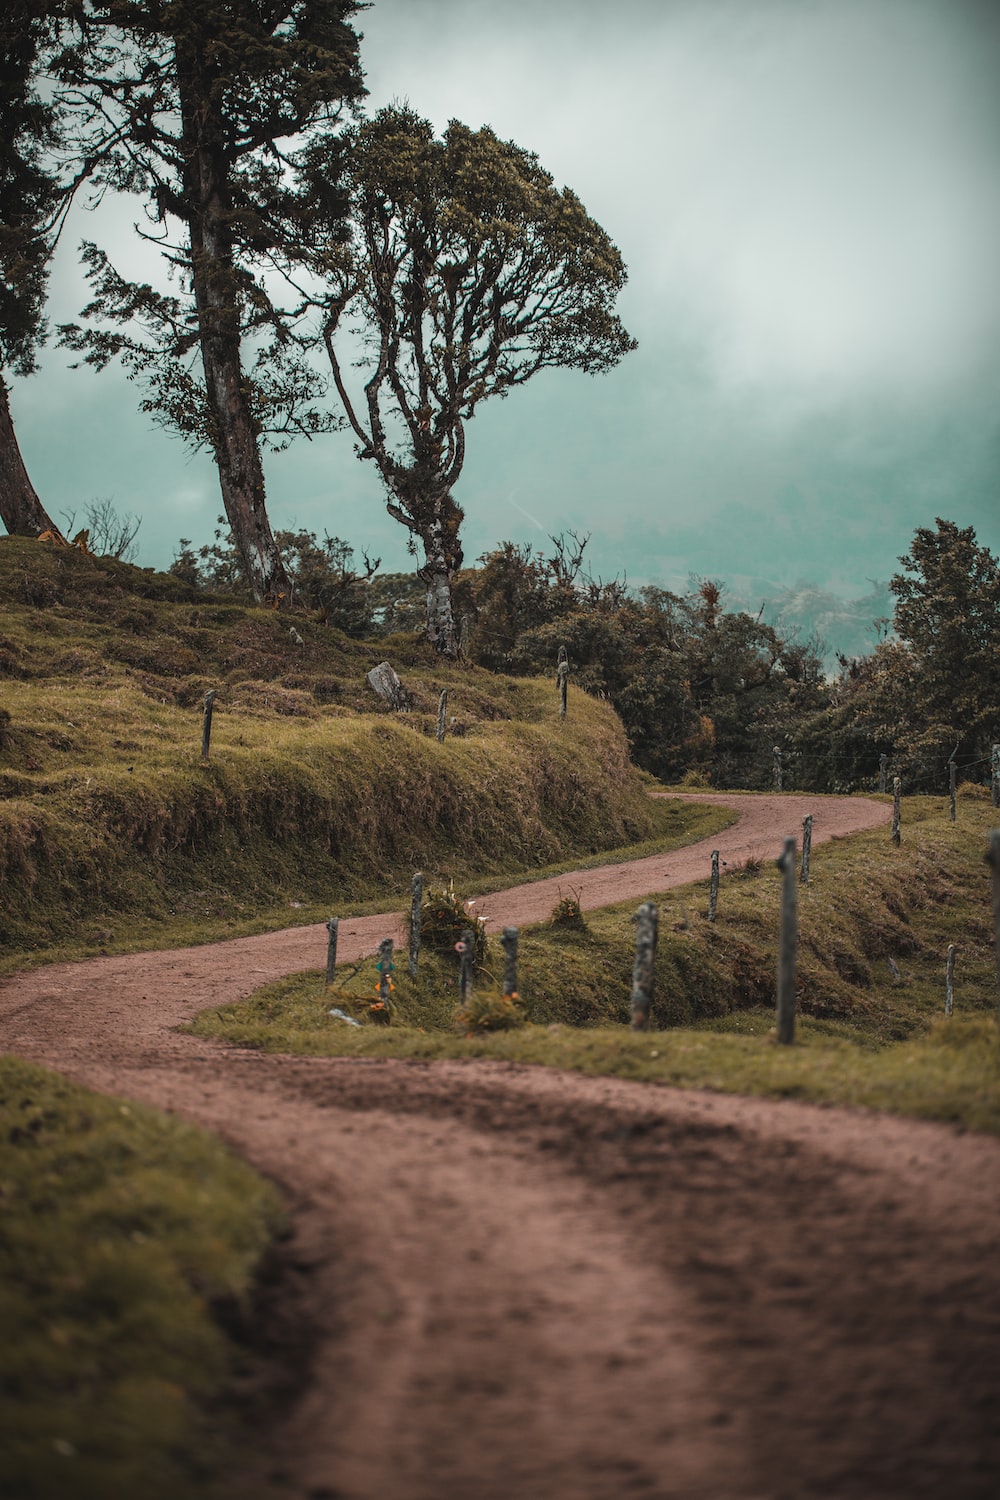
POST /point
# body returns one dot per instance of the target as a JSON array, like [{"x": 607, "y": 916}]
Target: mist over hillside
[{"x": 843, "y": 626}]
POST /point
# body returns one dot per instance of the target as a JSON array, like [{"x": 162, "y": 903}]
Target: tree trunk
[
  {"x": 22, "y": 512},
  {"x": 442, "y": 559},
  {"x": 235, "y": 432}
]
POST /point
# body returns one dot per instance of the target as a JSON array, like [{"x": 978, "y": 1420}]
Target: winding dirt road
[{"x": 527, "y": 1285}]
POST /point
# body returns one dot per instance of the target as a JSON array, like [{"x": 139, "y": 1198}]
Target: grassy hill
[{"x": 114, "y": 834}]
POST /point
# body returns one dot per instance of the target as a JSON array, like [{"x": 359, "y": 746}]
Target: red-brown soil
[{"x": 528, "y": 1285}]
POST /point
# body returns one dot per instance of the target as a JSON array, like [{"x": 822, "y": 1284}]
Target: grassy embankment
[
  {"x": 114, "y": 836},
  {"x": 129, "y": 1243},
  {"x": 864, "y": 1038}
]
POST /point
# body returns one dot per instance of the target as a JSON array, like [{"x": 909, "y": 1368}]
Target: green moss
[{"x": 122, "y": 1229}]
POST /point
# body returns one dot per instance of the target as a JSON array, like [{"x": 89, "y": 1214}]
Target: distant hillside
[{"x": 842, "y": 625}]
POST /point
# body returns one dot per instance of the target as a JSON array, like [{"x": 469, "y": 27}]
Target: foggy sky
[{"x": 807, "y": 195}]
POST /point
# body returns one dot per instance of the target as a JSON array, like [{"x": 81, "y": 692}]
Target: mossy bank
[{"x": 113, "y": 833}]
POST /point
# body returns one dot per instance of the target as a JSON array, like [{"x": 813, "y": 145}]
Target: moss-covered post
[
  {"x": 807, "y": 843},
  {"x": 776, "y": 776},
  {"x": 949, "y": 981},
  {"x": 897, "y": 794},
  {"x": 206, "y": 726},
  {"x": 787, "y": 946},
  {"x": 416, "y": 900},
  {"x": 646, "y": 925},
  {"x": 713, "y": 889},
  {"x": 509, "y": 944},
  {"x": 883, "y": 774},
  {"x": 562, "y": 678},
  {"x": 466, "y": 956},
  {"x": 952, "y": 779},
  {"x": 385, "y": 967},
  {"x": 993, "y": 858},
  {"x": 442, "y": 710},
  {"x": 332, "y": 927},
  {"x": 995, "y": 774}
]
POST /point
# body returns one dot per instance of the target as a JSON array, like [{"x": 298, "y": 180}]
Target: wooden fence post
[
  {"x": 897, "y": 792},
  {"x": 385, "y": 967},
  {"x": 562, "y": 678},
  {"x": 995, "y": 774},
  {"x": 206, "y": 727},
  {"x": 332, "y": 927},
  {"x": 883, "y": 772},
  {"x": 467, "y": 953},
  {"x": 442, "y": 710},
  {"x": 787, "y": 946},
  {"x": 416, "y": 899},
  {"x": 949, "y": 981},
  {"x": 647, "y": 923},
  {"x": 776, "y": 777},
  {"x": 807, "y": 843},
  {"x": 713, "y": 889},
  {"x": 509, "y": 944},
  {"x": 952, "y": 779},
  {"x": 993, "y": 858}
]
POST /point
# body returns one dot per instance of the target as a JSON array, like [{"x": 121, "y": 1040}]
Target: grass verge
[
  {"x": 127, "y": 1238},
  {"x": 871, "y": 1031}
]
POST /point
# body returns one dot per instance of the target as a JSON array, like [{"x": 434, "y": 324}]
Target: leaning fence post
[
  {"x": 562, "y": 678},
  {"x": 883, "y": 772},
  {"x": 509, "y": 944},
  {"x": 949, "y": 981},
  {"x": 776, "y": 768},
  {"x": 206, "y": 728},
  {"x": 807, "y": 843},
  {"x": 713, "y": 889},
  {"x": 466, "y": 952},
  {"x": 787, "y": 945},
  {"x": 993, "y": 858},
  {"x": 416, "y": 898},
  {"x": 897, "y": 792},
  {"x": 442, "y": 710},
  {"x": 647, "y": 922},
  {"x": 331, "y": 948},
  {"x": 952, "y": 777},
  {"x": 995, "y": 774}
]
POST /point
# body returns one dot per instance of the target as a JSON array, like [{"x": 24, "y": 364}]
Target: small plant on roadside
[
  {"x": 444, "y": 917},
  {"x": 489, "y": 1011},
  {"x": 567, "y": 913},
  {"x": 749, "y": 868}
]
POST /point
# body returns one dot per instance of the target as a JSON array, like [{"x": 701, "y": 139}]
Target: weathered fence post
[
  {"x": 713, "y": 889},
  {"x": 385, "y": 967},
  {"x": 807, "y": 843},
  {"x": 787, "y": 946},
  {"x": 647, "y": 923},
  {"x": 509, "y": 944},
  {"x": 995, "y": 774},
  {"x": 776, "y": 777},
  {"x": 993, "y": 858},
  {"x": 897, "y": 792},
  {"x": 416, "y": 899},
  {"x": 442, "y": 710},
  {"x": 332, "y": 927},
  {"x": 562, "y": 678},
  {"x": 949, "y": 981},
  {"x": 467, "y": 953},
  {"x": 952, "y": 779},
  {"x": 206, "y": 728},
  {"x": 883, "y": 772}
]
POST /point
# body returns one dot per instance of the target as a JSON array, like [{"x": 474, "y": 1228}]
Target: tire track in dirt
[{"x": 531, "y": 1284}]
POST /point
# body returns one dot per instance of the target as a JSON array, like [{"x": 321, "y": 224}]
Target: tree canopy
[{"x": 466, "y": 274}]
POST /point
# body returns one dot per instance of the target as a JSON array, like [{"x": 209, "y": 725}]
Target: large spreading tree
[
  {"x": 191, "y": 104},
  {"x": 466, "y": 274},
  {"x": 32, "y": 197}
]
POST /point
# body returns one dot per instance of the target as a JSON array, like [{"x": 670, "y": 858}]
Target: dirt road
[{"x": 526, "y": 1285}]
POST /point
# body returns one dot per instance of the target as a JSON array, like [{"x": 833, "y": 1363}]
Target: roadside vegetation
[
  {"x": 875, "y": 924},
  {"x": 128, "y": 1255}
]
